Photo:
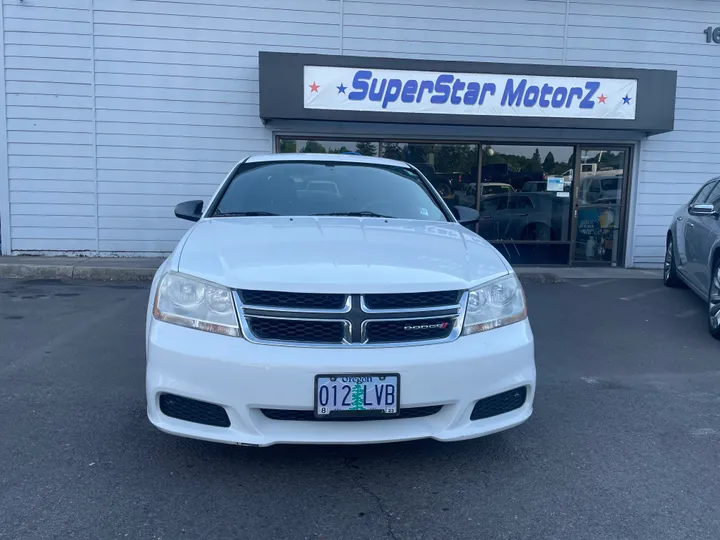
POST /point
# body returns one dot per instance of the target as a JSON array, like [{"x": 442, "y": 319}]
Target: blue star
[
  {"x": 341, "y": 88},
  {"x": 626, "y": 100}
]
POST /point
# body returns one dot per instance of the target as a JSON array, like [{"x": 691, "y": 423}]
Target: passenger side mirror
[
  {"x": 190, "y": 210},
  {"x": 466, "y": 216},
  {"x": 702, "y": 210}
]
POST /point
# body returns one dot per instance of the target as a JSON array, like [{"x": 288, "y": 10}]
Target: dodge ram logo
[{"x": 438, "y": 326}]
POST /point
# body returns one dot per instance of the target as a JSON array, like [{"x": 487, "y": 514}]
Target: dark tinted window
[
  {"x": 714, "y": 197},
  {"x": 519, "y": 202},
  {"x": 314, "y": 188},
  {"x": 704, "y": 192}
]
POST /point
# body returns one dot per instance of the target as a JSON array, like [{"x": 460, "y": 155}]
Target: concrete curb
[{"x": 99, "y": 273}]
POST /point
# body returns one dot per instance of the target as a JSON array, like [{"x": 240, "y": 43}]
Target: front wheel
[
  {"x": 670, "y": 275},
  {"x": 714, "y": 301}
]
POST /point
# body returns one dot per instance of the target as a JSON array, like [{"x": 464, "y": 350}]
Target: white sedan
[{"x": 362, "y": 314}]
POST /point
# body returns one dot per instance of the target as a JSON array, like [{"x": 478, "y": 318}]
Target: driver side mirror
[
  {"x": 190, "y": 210},
  {"x": 465, "y": 215},
  {"x": 702, "y": 210}
]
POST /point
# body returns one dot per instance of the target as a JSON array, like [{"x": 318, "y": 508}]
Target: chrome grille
[{"x": 355, "y": 320}]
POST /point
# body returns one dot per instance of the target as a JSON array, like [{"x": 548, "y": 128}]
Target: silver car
[{"x": 692, "y": 256}]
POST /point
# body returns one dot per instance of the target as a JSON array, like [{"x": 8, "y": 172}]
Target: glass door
[{"x": 600, "y": 194}]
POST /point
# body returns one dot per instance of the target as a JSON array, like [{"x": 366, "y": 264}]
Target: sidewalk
[{"x": 143, "y": 269}]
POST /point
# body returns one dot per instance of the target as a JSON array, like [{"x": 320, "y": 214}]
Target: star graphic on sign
[
  {"x": 602, "y": 98},
  {"x": 626, "y": 100},
  {"x": 314, "y": 87},
  {"x": 341, "y": 88}
]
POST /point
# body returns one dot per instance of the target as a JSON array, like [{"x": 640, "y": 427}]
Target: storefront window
[
  {"x": 366, "y": 148},
  {"x": 599, "y": 206},
  {"x": 451, "y": 168},
  {"x": 525, "y": 193}
]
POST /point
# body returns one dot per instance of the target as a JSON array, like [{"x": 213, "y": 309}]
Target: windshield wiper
[
  {"x": 248, "y": 214},
  {"x": 364, "y": 213}
]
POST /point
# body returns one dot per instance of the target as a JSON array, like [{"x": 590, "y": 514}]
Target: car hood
[{"x": 338, "y": 255}]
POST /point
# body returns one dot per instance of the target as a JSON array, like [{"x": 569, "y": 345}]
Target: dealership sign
[{"x": 479, "y": 94}]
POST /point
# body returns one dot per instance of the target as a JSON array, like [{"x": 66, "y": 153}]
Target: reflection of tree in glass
[
  {"x": 343, "y": 149},
  {"x": 416, "y": 153},
  {"x": 393, "y": 151},
  {"x": 455, "y": 158},
  {"x": 288, "y": 146},
  {"x": 612, "y": 160},
  {"x": 535, "y": 164},
  {"x": 549, "y": 163},
  {"x": 366, "y": 148},
  {"x": 313, "y": 147}
]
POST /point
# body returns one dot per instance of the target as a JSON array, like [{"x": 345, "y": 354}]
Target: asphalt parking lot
[{"x": 624, "y": 442}]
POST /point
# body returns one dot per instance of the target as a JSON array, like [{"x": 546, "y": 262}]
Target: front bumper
[{"x": 244, "y": 378}]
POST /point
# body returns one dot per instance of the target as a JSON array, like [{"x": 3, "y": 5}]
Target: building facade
[{"x": 116, "y": 110}]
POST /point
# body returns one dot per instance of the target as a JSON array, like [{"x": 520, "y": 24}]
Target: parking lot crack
[{"x": 378, "y": 501}]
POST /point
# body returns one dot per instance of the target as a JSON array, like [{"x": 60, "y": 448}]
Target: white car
[{"x": 291, "y": 315}]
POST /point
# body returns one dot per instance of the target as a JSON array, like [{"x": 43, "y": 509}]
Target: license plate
[{"x": 357, "y": 395}]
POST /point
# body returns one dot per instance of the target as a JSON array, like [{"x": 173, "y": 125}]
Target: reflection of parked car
[
  {"x": 502, "y": 172},
  {"x": 490, "y": 188},
  {"x": 534, "y": 187},
  {"x": 524, "y": 216},
  {"x": 594, "y": 188},
  {"x": 439, "y": 182},
  {"x": 692, "y": 255}
]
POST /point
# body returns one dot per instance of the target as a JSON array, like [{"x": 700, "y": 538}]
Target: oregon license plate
[{"x": 357, "y": 395}]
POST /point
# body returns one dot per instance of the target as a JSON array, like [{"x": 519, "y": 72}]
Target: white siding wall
[
  {"x": 48, "y": 79},
  {"x": 118, "y": 109},
  {"x": 660, "y": 34}
]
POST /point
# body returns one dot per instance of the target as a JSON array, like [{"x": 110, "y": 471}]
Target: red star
[
  {"x": 314, "y": 87},
  {"x": 602, "y": 98}
]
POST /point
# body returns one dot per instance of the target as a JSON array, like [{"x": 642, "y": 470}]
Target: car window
[
  {"x": 519, "y": 203},
  {"x": 493, "y": 203},
  {"x": 609, "y": 184},
  {"x": 314, "y": 188},
  {"x": 714, "y": 196},
  {"x": 704, "y": 192}
]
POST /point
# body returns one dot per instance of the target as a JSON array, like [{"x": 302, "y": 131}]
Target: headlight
[
  {"x": 192, "y": 302},
  {"x": 497, "y": 303}
]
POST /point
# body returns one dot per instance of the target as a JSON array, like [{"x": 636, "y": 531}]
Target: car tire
[
  {"x": 670, "y": 275},
  {"x": 714, "y": 301}
]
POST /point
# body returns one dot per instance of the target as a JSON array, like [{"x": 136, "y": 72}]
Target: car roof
[{"x": 335, "y": 158}]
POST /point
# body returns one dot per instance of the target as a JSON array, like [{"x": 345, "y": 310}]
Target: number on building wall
[{"x": 712, "y": 35}]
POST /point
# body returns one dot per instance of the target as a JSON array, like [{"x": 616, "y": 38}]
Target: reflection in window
[
  {"x": 311, "y": 188},
  {"x": 530, "y": 208},
  {"x": 599, "y": 205},
  {"x": 601, "y": 178},
  {"x": 365, "y": 148},
  {"x": 451, "y": 168}
]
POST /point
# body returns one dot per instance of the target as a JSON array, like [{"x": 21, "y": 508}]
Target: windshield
[{"x": 315, "y": 189}]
